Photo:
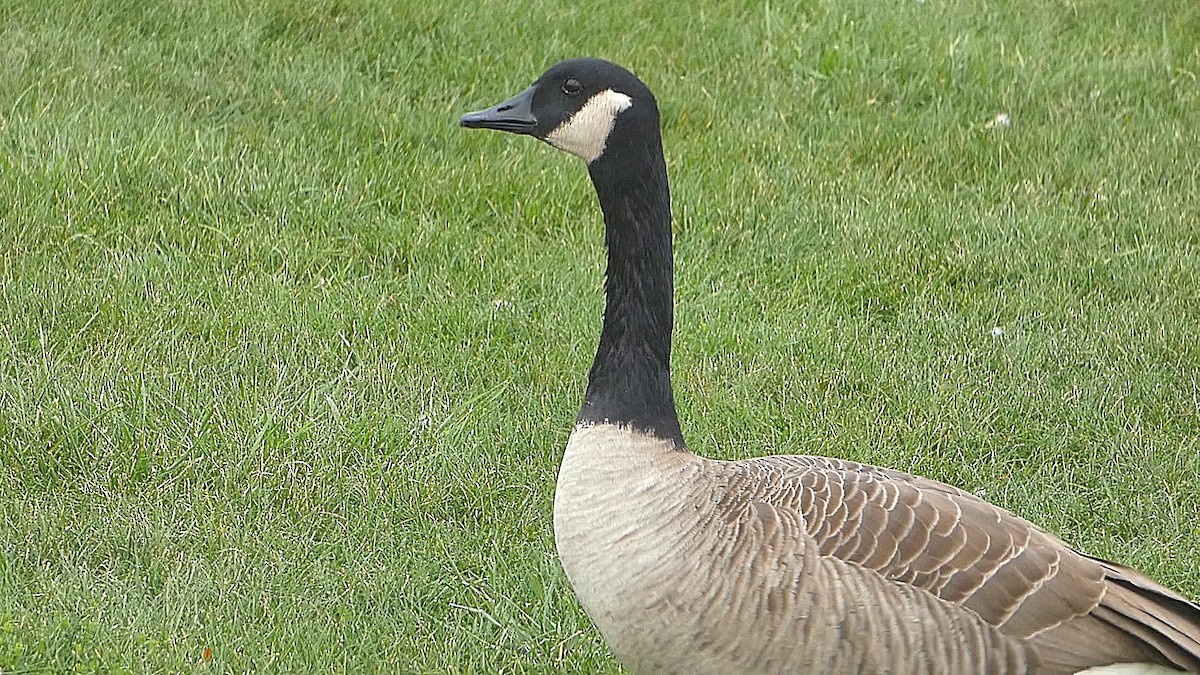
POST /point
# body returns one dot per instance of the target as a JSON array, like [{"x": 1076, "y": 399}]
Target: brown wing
[{"x": 1075, "y": 610}]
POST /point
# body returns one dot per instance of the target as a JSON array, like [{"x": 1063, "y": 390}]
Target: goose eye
[{"x": 572, "y": 87}]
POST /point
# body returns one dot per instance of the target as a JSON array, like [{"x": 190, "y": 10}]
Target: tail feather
[
  {"x": 1136, "y": 621},
  {"x": 1154, "y": 614}
]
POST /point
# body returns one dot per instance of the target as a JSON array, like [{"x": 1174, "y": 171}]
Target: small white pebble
[
  {"x": 1001, "y": 120},
  {"x": 997, "y": 331}
]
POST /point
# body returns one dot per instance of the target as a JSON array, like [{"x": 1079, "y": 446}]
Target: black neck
[{"x": 630, "y": 380}]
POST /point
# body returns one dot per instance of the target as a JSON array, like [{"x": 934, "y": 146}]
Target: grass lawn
[{"x": 287, "y": 360}]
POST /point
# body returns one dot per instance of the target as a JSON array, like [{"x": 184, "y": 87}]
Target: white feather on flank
[
  {"x": 1130, "y": 669},
  {"x": 585, "y": 133}
]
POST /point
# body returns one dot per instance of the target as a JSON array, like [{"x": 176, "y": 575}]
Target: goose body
[{"x": 788, "y": 563}]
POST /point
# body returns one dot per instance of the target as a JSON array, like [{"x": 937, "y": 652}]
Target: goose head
[{"x": 583, "y": 106}]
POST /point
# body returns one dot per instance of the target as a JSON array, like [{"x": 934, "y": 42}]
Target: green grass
[{"x": 287, "y": 360}]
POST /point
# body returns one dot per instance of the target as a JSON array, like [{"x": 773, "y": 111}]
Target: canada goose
[{"x": 787, "y": 563}]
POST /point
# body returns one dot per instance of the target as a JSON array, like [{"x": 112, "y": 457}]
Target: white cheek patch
[{"x": 585, "y": 133}]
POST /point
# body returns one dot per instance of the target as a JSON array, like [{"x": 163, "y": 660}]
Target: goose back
[{"x": 812, "y": 564}]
